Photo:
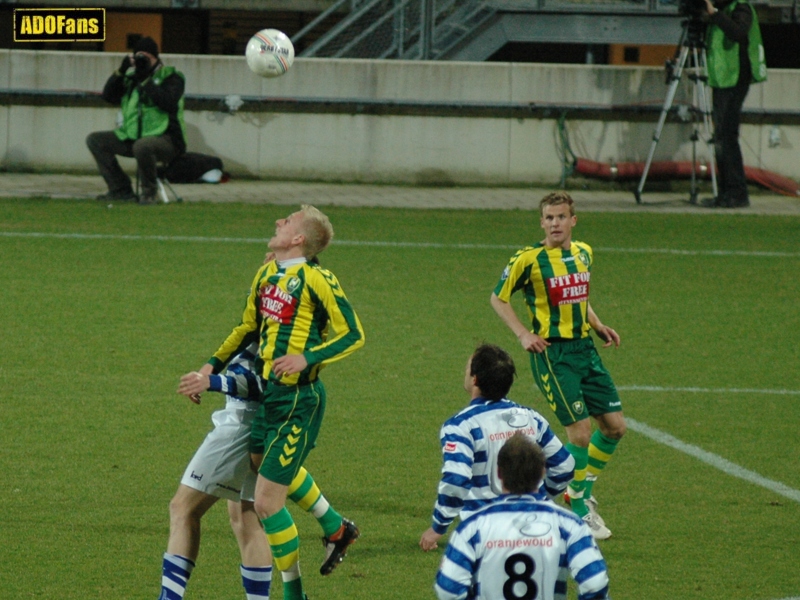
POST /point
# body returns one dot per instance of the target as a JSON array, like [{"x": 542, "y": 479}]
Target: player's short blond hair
[
  {"x": 317, "y": 230},
  {"x": 556, "y": 198}
]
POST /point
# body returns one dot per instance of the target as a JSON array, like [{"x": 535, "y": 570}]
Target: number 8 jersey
[{"x": 518, "y": 548}]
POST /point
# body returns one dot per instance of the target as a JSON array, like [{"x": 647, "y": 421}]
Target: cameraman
[
  {"x": 150, "y": 95},
  {"x": 735, "y": 60}
]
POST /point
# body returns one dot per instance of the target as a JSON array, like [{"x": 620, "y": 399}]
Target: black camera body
[
  {"x": 141, "y": 62},
  {"x": 143, "y": 67},
  {"x": 692, "y": 9}
]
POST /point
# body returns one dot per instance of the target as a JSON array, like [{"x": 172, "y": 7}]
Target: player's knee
[
  {"x": 182, "y": 509},
  {"x": 266, "y": 506},
  {"x": 178, "y": 510},
  {"x": 616, "y": 430}
]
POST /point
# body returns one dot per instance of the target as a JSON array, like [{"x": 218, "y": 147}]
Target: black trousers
[
  {"x": 105, "y": 146},
  {"x": 727, "y": 112}
]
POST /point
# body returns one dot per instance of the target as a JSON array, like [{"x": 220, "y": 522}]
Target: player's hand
[
  {"x": 127, "y": 63},
  {"x": 710, "y": 9},
  {"x": 533, "y": 343},
  {"x": 289, "y": 364},
  {"x": 429, "y": 540},
  {"x": 269, "y": 256},
  {"x": 193, "y": 384},
  {"x": 608, "y": 335}
]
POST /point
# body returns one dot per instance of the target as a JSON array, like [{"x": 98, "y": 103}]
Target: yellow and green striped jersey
[
  {"x": 555, "y": 284},
  {"x": 299, "y": 309}
]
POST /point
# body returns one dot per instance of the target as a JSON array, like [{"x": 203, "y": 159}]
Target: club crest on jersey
[
  {"x": 534, "y": 528},
  {"x": 516, "y": 417},
  {"x": 577, "y": 407},
  {"x": 450, "y": 447},
  {"x": 276, "y": 304},
  {"x": 292, "y": 284},
  {"x": 583, "y": 256}
]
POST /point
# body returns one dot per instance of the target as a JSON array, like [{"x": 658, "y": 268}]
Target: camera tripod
[{"x": 691, "y": 46}]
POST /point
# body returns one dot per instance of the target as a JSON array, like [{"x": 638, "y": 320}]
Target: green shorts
[
  {"x": 574, "y": 381},
  {"x": 286, "y": 427}
]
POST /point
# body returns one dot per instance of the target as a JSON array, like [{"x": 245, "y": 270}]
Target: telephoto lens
[{"x": 143, "y": 67}]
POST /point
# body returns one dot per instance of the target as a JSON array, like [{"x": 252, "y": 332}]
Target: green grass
[{"x": 98, "y": 330}]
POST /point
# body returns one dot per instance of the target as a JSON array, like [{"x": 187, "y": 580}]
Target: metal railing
[
  {"x": 430, "y": 29},
  {"x": 410, "y": 29}
]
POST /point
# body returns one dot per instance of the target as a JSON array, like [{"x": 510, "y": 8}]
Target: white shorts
[{"x": 221, "y": 465}]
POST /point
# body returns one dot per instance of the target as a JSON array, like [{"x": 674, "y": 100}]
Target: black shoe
[
  {"x": 710, "y": 202},
  {"x": 736, "y": 203},
  {"x": 148, "y": 199},
  {"x": 118, "y": 196},
  {"x": 336, "y": 549}
]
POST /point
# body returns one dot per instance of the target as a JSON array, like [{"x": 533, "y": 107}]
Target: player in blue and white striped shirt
[
  {"x": 472, "y": 438},
  {"x": 221, "y": 469},
  {"x": 519, "y": 547}
]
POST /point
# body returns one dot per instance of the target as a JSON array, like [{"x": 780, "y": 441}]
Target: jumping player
[{"x": 300, "y": 316}]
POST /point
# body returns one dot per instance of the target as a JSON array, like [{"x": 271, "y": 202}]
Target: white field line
[
  {"x": 383, "y": 244},
  {"x": 699, "y": 390},
  {"x": 712, "y": 459}
]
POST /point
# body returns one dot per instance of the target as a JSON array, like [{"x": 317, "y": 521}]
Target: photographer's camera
[{"x": 693, "y": 9}]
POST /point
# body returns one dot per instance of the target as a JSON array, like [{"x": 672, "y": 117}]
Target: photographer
[
  {"x": 150, "y": 95},
  {"x": 735, "y": 60}
]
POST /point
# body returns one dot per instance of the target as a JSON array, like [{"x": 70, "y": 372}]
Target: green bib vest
[
  {"x": 723, "y": 54},
  {"x": 142, "y": 118}
]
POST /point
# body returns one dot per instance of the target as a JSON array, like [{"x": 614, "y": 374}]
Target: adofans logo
[{"x": 59, "y": 24}]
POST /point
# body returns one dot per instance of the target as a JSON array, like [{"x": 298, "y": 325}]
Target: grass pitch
[{"x": 105, "y": 310}]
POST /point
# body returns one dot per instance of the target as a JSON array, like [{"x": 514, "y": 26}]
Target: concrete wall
[{"x": 381, "y": 148}]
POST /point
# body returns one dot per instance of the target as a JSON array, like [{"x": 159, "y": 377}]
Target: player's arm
[
  {"x": 348, "y": 334},
  {"x": 238, "y": 381},
  {"x": 529, "y": 340},
  {"x": 455, "y": 575},
  {"x": 245, "y": 333},
  {"x": 559, "y": 463},
  {"x": 608, "y": 335},
  {"x": 586, "y": 563},
  {"x": 457, "y": 456}
]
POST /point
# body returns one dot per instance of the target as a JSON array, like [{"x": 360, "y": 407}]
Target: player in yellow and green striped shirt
[
  {"x": 554, "y": 278},
  {"x": 303, "y": 321}
]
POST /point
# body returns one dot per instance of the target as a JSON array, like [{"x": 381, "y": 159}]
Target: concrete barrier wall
[{"x": 410, "y": 149}]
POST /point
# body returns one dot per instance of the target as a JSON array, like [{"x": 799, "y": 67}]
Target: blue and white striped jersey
[
  {"x": 520, "y": 547},
  {"x": 471, "y": 441},
  {"x": 240, "y": 381}
]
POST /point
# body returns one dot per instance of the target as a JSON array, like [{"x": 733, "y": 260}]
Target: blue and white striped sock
[
  {"x": 175, "y": 574},
  {"x": 256, "y": 582}
]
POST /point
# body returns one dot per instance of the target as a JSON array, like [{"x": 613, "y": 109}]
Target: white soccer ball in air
[{"x": 269, "y": 53}]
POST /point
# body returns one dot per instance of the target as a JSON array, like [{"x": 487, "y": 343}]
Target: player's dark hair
[
  {"x": 494, "y": 370},
  {"x": 520, "y": 464}
]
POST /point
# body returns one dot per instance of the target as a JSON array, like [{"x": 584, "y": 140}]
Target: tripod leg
[
  {"x": 705, "y": 106},
  {"x": 695, "y": 78},
  {"x": 673, "y": 88}
]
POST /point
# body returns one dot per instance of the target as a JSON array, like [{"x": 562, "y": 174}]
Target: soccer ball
[{"x": 269, "y": 53}]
